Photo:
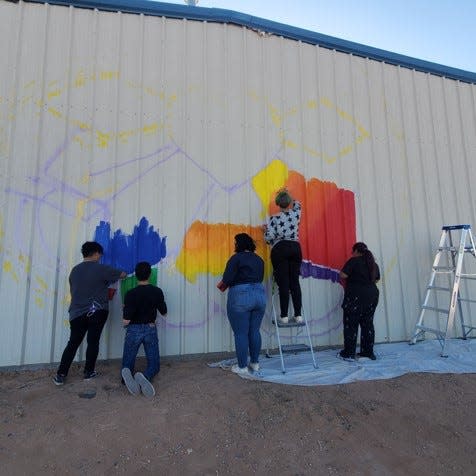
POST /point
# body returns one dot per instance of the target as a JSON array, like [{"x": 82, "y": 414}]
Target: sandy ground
[{"x": 207, "y": 421}]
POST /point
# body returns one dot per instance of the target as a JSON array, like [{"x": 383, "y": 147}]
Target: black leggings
[
  {"x": 93, "y": 326},
  {"x": 286, "y": 258},
  {"x": 358, "y": 313}
]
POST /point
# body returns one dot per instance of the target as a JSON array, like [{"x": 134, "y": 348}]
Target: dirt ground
[{"x": 207, "y": 421}]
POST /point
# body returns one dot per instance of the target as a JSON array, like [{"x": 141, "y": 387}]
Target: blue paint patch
[{"x": 124, "y": 251}]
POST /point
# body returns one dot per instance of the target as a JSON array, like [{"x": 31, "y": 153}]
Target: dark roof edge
[{"x": 170, "y": 10}]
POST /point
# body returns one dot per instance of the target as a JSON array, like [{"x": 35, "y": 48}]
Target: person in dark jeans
[
  {"x": 361, "y": 295},
  {"x": 140, "y": 313},
  {"x": 282, "y": 234},
  {"x": 246, "y": 303},
  {"x": 89, "y": 308}
]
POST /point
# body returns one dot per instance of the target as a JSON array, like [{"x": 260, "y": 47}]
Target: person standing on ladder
[
  {"x": 361, "y": 273},
  {"x": 282, "y": 234}
]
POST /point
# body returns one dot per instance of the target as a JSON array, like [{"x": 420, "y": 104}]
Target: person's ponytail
[{"x": 368, "y": 257}]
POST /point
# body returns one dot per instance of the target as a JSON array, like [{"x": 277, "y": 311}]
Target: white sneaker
[
  {"x": 146, "y": 387},
  {"x": 239, "y": 370},
  {"x": 131, "y": 384},
  {"x": 283, "y": 320},
  {"x": 298, "y": 319},
  {"x": 254, "y": 366}
]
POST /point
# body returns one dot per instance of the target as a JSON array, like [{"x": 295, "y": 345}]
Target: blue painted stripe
[{"x": 228, "y": 16}]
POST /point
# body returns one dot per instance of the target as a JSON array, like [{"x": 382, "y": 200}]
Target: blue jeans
[
  {"x": 146, "y": 334},
  {"x": 245, "y": 308}
]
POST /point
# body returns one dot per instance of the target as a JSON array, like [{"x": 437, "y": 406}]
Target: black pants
[
  {"x": 359, "y": 314},
  {"x": 286, "y": 258},
  {"x": 93, "y": 326}
]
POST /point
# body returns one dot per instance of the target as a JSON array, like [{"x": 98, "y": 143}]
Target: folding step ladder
[
  {"x": 300, "y": 328},
  {"x": 453, "y": 271}
]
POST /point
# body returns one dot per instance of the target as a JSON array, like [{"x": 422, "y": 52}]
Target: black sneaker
[
  {"x": 370, "y": 356},
  {"x": 59, "y": 379},
  {"x": 343, "y": 356},
  {"x": 90, "y": 375}
]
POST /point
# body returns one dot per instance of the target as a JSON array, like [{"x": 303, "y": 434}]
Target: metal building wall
[{"x": 183, "y": 130}]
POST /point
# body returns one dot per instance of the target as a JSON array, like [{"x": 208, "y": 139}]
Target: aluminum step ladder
[
  {"x": 301, "y": 330},
  {"x": 448, "y": 263}
]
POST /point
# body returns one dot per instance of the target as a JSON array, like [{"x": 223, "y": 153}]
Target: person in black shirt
[
  {"x": 361, "y": 295},
  {"x": 246, "y": 301},
  {"x": 140, "y": 312}
]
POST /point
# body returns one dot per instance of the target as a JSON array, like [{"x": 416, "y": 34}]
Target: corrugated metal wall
[{"x": 125, "y": 126}]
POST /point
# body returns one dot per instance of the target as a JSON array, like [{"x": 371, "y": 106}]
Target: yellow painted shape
[
  {"x": 39, "y": 302},
  {"x": 103, "y": 139},
  {"x": 107, "y": 75},
  {"x": 80, "y": 80},
  {"x": 8, "y": 268},
  {"x": 42, "y": 283},
  {"x": 268, "y": 181},
  {"x": 275, "y": 116},
  {"x": 311, "y": 104},
  {"x": 151, "y": 128},
  {"x": 82, "y": 125},
  {"x": 55, "y": 112},
  {"x": 53, "y": 94}
]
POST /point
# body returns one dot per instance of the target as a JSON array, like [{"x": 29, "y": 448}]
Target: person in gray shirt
[{"x": 89, "y": 308}]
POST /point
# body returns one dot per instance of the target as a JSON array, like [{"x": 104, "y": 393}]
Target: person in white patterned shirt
[{"x": 282, "y": 233}]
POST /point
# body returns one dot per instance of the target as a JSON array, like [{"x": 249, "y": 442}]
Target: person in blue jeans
[
  {"x": 140, "y": 312},
  {"x": 246, "y": 301}
]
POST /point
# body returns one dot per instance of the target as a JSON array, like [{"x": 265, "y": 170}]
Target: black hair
[
  {"x": 244, "y": 242},
  {"x": 143, "y": 270},
  {"x": 283, "y": 199},
  {"x": 91, "y": 247},
  {"x": 369, "y": 258}
]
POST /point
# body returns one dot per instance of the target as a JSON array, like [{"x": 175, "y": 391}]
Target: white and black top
[{"x": 284, "y": 225}]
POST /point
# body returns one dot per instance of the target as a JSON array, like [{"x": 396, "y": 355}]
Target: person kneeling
[{"x": 140, "y": 312}]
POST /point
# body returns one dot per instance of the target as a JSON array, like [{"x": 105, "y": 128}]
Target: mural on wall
[
  {"x": 328, "y": 225},
  {"x": 327, "y": 229}
]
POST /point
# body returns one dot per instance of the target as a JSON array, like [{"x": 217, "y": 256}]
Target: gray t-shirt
[{"x": 88, "y": 282}]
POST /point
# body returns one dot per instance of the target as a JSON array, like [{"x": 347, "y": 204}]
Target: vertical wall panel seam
[
  {"x": 394, "y": 192},
  {"x": 35, "y": 207},
  {"x": 464, "y": 141},
  {"x": 422, "y": 177},
  {"x": 184, "y": 118},
  {"x": 80, "y": 355},
  {"x": 444, "y": 86},
  {"x": 227, "y": 141},
  {"x": 378, "y": 207},
  {"x": 209, "y": 288},
  {"x": 438, "y": 176},
  {"x": 469, "y": 203},
  {"x": 59, "y": 265},
  {"x": 410, "y": 201},
  {"x": 13, "y": 124},
  {"x": 112, "y": 217}
]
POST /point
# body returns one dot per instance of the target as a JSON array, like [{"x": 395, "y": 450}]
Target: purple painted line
[
  {"x": 32, "y": 198},
  {"x": 59, "y": 151},
  {"x": 195, "y": 325},
  {"x": 309, "y": 269},
  {"x": 131, "y": 161},
  {"x": 138, "y": 177}
]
